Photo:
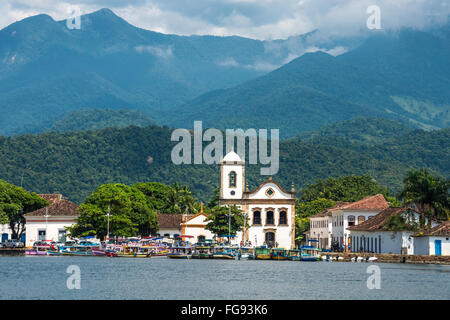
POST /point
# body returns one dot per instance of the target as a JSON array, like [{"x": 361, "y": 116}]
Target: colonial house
[
  {"x": 379, "y": 236},
  {"x": 331, "y": 224},
  {"x": 49, "y": 223},
  {"x": 194, "y": 226},
  {"x": 169, "y": 225},
  {"x": 434, "y": 241},
  {"x": 270, "y": 208},
  {"x": 6, "y": 232}
]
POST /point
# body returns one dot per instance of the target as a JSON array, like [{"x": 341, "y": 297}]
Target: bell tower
[{"x": 232, "y": 177}]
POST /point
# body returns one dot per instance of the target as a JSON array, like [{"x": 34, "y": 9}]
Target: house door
[
  {"x": 437, "y": 247},
  {"x": 23, "y": 238},
  {"x": 4, "y": 237},
  {"x": 270, "y": 239}
]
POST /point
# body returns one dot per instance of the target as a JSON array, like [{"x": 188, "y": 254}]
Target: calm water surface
[{"x": 161, "y": 278}]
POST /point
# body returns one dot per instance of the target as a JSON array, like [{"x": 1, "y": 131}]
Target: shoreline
[
  {"x": 382, "y": 257},
  {"x": 393, "y": 258}
]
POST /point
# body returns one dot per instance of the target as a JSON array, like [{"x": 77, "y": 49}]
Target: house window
[
  {"x": 232, "y": 179},
  {"x": 62, "y": 236},
  {"x": 201, "y": 238},
  {"x": 283, "y": 217},
  {"x": 42, "y": 235},
  {"x": 166, "y": 235},
  {"x": 351, "y": 220},
  {"x": 361, "y": 219},
  {"x": 269, "y": 217},
  {"x": 256, "y": 217}
]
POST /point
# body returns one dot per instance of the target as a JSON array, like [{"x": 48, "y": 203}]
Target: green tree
[
  {"x": 180, "y": 199},
  {"x": 157, "y": 195},
  {"x": 304, "y": 210},
  {"x": 130, "y": 214},
  {"x": 343, "y": 188},
  {"x": 214, "y": 201},
  {"x": 14, "y": 203},
  {"x": 429, "y": 193},
  {"x": 220, "y": 223}
]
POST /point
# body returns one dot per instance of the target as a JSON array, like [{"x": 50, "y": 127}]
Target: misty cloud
[
  {"x": 262, "y": 19},
  {"x": 161, "y": 52}
]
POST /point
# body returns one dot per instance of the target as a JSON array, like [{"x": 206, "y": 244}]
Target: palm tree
[
  {"x": 180, "y": 199},
  {"x": 429, "y": 193}
]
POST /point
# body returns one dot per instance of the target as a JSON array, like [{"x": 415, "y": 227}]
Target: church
[{"x": 269, "y": 208}]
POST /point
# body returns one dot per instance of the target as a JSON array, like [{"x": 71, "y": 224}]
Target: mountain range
[{"x": 48, "y": 71}]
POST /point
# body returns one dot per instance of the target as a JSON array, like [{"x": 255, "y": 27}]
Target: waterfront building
[
  {"x": 435, "y": 241},
  {"x": 6, "y": 233},
  {"x": 269, "y": 208},
  {"x": 169, "y": 225},
  {"x": 194, "y": 226},
  {"x": 331, "y": 224},
  {"x": 383, "y": 234},
  {"x": 49, "y": 223}
]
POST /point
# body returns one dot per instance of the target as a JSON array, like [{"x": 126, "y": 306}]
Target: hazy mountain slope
[
  {"x": 92, "y": 119},
  {"x": 403, "y": 75},
  {"x": 47, "y": 70}
]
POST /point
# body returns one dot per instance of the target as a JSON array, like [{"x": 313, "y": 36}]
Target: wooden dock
[{"x": 12, "y": 251}]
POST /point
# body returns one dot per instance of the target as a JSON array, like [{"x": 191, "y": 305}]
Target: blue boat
[{"x": 309, "y": 253}]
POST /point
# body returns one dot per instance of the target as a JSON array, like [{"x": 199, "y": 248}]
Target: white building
[
  {"x": 194, "y": 226},
  {"x": 435, "y": 241},
  {"x": 331, "y": 224},
  {"x": 374, "y": 235},
  {"x": 49, "y": 223},
  {"x": 169, "y": 225},
  {"x": 270, "y": 208}
]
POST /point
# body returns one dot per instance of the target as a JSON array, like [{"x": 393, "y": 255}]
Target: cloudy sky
[{"x": 259, "y": 19}]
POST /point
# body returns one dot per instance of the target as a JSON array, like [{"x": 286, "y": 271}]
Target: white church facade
[{"x": 270, "y": 208}]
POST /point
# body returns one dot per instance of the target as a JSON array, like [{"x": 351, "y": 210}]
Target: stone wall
[{"x": 394, "y": 258}]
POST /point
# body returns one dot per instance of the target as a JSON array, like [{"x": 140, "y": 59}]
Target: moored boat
[
  {"x": 309, "y": 253},
  {"x": 278, "y": 254},
  {"x": 262, "y": 253},
  {"x": 294, "y": 255}
]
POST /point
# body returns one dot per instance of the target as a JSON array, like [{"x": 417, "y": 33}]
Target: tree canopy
[
  {"x": 220, "y": 224},
  {"x": 130, "y": 214},
  {"x": 343, "y": 188},
  {"x": 428, "y": 192},
  {"x": 14, "y": 203}
]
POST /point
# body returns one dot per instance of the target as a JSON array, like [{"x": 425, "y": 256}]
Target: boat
[
  {"x": 224, "y": 252},
  {"x": 39, "y": 248},
  {"x": 245, "y": 253},
  {"x": 76, "y": 250},
  {"x": 294, "y": 255},
  {"x": 278, "y": 254},
  {"x": 203, "y": 251},
  {"x": 309, "y": 253},
  {"x": 180, "y": 250},
  {"x": 262, "y": 253},
  {"x": 134, "y": 252}
]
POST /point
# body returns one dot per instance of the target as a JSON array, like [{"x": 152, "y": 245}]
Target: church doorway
[{"x": 270, "y": 239}]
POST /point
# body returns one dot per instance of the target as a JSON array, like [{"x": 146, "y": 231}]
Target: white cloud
[
  {"x": 259, "y": 19},
  {"x": 159, "y": 51}
]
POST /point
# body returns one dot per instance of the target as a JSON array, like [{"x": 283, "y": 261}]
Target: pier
[
  {"x": 12, "y": 251},
  {"x": 393, "y": 258}
]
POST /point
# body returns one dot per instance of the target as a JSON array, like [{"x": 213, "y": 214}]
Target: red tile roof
[
  {"x": 371, "y": 203},
  {"x": 378, "y": 221},
  {"x": 442, "y": 229},
  {"x": 51, "y": 197},
  {"x": 169, "y": 221},
  {"x": 328, "y": 211},
  {"x": 58, "y": 207}
]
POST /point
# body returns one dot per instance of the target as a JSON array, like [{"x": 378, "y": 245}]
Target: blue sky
[{"x": 259, "y": 19}]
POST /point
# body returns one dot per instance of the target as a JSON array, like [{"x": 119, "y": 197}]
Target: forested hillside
[{"x": 75, "y": 163}]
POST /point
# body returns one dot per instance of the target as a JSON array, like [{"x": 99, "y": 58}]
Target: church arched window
[
  {"x": 256, "y": 217},
  {"x": 232, "y": 179},
  {"x": 269, "y": 217},
  {"x": 283, "y": 217}
]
